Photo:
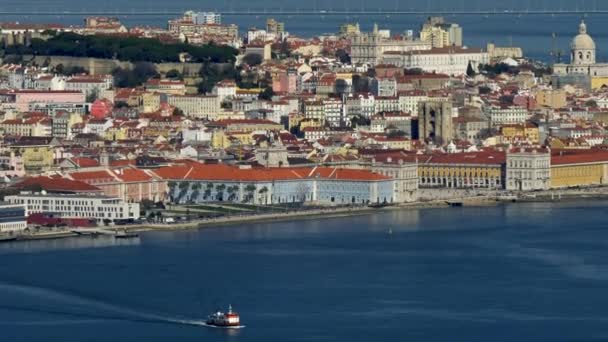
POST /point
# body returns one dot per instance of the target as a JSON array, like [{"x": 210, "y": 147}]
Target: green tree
[
  {"x": 93, "y": 95},
  {"x": 343, "y": 56},
  {"x": 253, "y": 59},
  {"x": 174, "y": 74},
  {"x": 470, "y": 71},
  {"x": 266, "y": 94}
]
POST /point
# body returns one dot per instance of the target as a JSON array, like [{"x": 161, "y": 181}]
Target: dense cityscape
[
  {"x": 370, "y": 182},
  {"x": 112, "y": 125}
]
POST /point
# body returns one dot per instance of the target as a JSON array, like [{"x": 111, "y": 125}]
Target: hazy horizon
[{"x": 427, "y": 5}]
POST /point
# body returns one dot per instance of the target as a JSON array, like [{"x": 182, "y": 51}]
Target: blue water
[{"x": 520, "y": 272}]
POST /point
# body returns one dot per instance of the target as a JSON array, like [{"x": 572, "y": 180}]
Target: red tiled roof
[
  {"x": 85, "y": 162},
  {"x": 564, "y": 157},
  {"x": 222, "y": 172},
  {"x": 126, "y": 162},
  {"x": 132, "y": 175},
  {"x": 57, "y": 184},
  {"x": 482, "y": 157},
  {"x": 92, "y": 176}
]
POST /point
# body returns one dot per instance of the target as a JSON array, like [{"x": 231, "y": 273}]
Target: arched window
[{"x": 580, "y": 55}]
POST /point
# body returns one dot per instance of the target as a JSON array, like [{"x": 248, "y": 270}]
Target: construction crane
[{"x": 556, "y": 53}]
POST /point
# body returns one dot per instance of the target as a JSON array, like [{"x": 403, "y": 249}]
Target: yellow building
[
  {"x": 151, "y": 102},
  {"x": 552, "y": 98},
  {"x": 599, "y": 82},
  {"x": 230, "y": 115},
  {"x": 242, "y": 138},
  {"x": 116, "y": 133},
  {"x": 349, "y": 29},
  {"x": 526, "y": 131},
  {"x": 221, "y": 140},
  {"x": 579, "y": 168},
  {"x": 315, "y": 123},
  {"x": 37, "y": 153},
  {"x": 462, "y": 170}
]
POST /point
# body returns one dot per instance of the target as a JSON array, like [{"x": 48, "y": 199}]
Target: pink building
[
  {"x": 23, "y": 98},
  {"x": 285, "y": 83}
]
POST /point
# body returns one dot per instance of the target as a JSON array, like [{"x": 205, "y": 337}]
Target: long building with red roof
[{"x": 219, "y": 182}]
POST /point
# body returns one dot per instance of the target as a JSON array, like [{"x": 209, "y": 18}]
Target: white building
[
  {"x": 225, "y": 90},
  {"x": 582, "y": 57},
  {"x": 528, "y": 169},
  {"x": 200, "y": 18},
  {"x": 507, "y": 115},
  {"x": 450, "y": 60},
  {"x": 12, "y": 218},
  {"x": 368, "y": 48},
  {"x": 89, "y": 85},
  {"x": 333, "y": 110},
  {"x": 197, "y": 106},
  {"x": 384, "y": 86},
  {"x": 95, "y": 207},
  {"x": 408, "y": 101}
]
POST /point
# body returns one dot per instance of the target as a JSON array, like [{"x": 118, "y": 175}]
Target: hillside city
[{"x": 108, "y": 125}]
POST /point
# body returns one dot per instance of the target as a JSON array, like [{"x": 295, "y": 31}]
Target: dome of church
[{"x": 583, "y": 41}]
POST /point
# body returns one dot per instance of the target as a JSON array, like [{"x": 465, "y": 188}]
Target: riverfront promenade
[{"x": 467, "y": 198}]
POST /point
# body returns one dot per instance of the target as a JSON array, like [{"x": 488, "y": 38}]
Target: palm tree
[
  {"x": 220, "y": 191},
  {"x": 208, "y": 191},
  {"x": 232, "y": 192},
  {"x": 250, "y": 188},
  {"x": 264, "y": 191},
  {"x": 183, "y": 189}
]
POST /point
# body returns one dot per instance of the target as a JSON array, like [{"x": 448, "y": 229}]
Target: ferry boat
[
  {"x": 125, "y": 235},
  {"x": 229, "y": 319}
]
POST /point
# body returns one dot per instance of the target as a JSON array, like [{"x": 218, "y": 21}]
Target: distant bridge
[{"x": 303, "y": 12}]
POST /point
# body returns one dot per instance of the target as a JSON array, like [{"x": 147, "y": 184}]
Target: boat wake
[{"x": 83, "y": 307}]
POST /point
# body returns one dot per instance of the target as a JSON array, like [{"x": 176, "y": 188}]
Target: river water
[{"x": 518, "y": 272}]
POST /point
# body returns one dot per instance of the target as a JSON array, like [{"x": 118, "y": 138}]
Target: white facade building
[
  {"x": 95, "y": 207},
  {"x": 368, "y": 48},
  {"x": 197, "y": 106},
  {"x": 384, "y": 86},
  {"x": 448, "y": 60},
  {"x": 12, "y": 218},
  {"x": 507, "y": 115},
  {"x": 582, "y": 57},
  {"x": 528, "y": 169}
]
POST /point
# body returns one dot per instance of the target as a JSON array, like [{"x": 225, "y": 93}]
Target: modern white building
[
  {"x": 12, "y": 218},
  {"x": 200, "y": 18},
  {"x": 87, "y": 206}
]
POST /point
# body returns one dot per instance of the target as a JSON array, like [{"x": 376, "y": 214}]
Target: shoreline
[{"x": 469, "y": 202}]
